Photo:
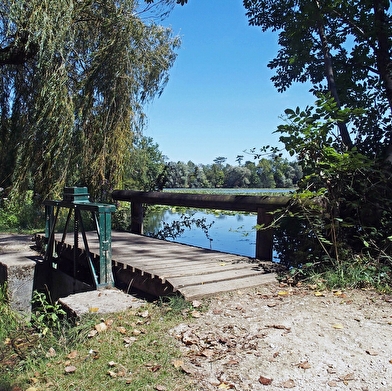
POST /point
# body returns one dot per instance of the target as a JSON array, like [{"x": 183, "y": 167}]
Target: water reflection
[
  {"x": 234, "y": 233},
  {"x": 231, "y": 233}
]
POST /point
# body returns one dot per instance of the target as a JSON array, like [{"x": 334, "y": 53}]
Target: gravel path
[{"x": 277, "y": 338}]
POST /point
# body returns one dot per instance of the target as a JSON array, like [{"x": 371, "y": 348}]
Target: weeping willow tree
[{"x": 74, "y": 78}]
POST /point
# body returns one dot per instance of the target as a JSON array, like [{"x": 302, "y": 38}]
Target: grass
[
  {"x": 8, "y": 319},
  {"x": 135, "y": 352},
  {"x": 358, "y": 272}
]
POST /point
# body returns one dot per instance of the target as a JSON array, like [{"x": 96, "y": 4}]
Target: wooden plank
[
  {"x": 199, "y": 269},
  {"x": 199, "y": 291},
  {"x": 169, "y": 270},
  {"x": 227, "y": 275},
  {"x": 192, "y": 275}
]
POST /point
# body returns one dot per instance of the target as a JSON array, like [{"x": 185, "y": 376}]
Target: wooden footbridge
[
  {"x": 154, "y": 266},
  {"x": 161, "y": 268}
]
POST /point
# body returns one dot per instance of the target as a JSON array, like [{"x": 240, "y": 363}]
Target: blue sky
[{"x": 219, "y": 100}]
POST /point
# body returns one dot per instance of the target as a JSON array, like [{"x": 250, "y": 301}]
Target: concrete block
[
  {"x": 17, "y": 269},
  {"x": 103, "y": 301}
]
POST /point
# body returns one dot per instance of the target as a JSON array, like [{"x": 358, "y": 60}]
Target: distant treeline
[{"x": 276, "y": 172}]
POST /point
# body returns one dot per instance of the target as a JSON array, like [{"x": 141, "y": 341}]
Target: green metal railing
[{"x": 76, "y": 200}]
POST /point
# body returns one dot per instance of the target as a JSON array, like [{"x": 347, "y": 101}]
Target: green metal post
[{"x": 105, "y": 246}]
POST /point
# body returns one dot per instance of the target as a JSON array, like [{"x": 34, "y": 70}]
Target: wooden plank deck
[{"x": 160, "y": 267}]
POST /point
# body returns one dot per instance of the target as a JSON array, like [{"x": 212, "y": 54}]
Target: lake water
[
  {"x": 229, "y": 233},
  {"x": 232, "y": 233}
]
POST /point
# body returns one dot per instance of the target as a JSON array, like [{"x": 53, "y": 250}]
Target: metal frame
[{"x": 76, "y": 200}]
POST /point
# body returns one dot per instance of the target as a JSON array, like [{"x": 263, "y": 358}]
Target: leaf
[
  {"x": 93, "y": 309},
  {"x": 100, "y": 327},
  {"x": 109, "y": 322},
  {"x": 92, "y": 333},
  {"x": 177, "y": 363},
  {"x": 289, "y": 384},
  {"x": 144, "y": 314},
  {"x": 196, "y": 314},
  {"x": 73, "y": 354},
  {"x": 159, "y": 387},
  {"x": 51, "y": 353},
  {"x": 196, "y": 303},
  {"x": 319, "y": 294},
  {"x": 129, "y": 341},
  {"x": 372, "y": 352},
  {"x": 121, "y": 329},
  {"x": 225, "y": 386},
  {"x": 289, "y": 112},
  {"x": 338, "y": 326},
  {"x": 70, "y": 369},
  {"x": 279, "y": 327},
  {"x": 153, "y": 367},
  {"x": 303, "y": 365},
  {"x": 232, "y": 362},
  {"x": 207, "y": 353},
  {"x": 265, "y": 381},
  {"x": 347, "y": 378},
  {"x": 283, "y": 293}
]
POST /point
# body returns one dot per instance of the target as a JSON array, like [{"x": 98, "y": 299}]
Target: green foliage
[
  {"x": 9, "y": 320},
  {"x": 272, "y": 172},
  {"x": 341, "y": 47},
  {"x": 21, "y": 214},
  {"x": 310, "y": 132},
  {"x": 341, "y": 215},
  {"x": 342, "y": 212},
  {"x": 146, "y": 166},
  {"x": 74, "y": 80},
  {"x": 46, "y": 315}
]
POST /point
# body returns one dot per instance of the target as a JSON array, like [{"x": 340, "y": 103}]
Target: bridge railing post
[
  {"x": 265, "y": 235},
  {"x": 137, "y": 217}
]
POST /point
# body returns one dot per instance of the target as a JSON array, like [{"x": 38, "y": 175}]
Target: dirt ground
[{"x": 277, "y": 338}]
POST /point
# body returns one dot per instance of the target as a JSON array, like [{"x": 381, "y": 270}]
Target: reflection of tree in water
[
  {"x": 160, "y": 229},
  {"x": 153, "y": 219},
  {"x": 231, "y": 232}
]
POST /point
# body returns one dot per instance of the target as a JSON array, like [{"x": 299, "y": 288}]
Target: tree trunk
[
  {"x": 329, "y": 74},
  {"x": 384, "y": 64},
  {"x": 383, "y": 57}
]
